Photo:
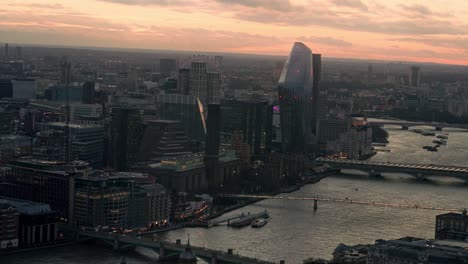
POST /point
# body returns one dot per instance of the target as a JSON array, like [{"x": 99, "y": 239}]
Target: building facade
[{"x": 295, "y": 93}]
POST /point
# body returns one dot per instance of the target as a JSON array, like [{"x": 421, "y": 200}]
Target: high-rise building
[
  {"x": 87, "y": 142},
  {"x": 200, "y": 82},
  {"x": 251, "y": 122},
  {"x": 187, "y": 110},
  {"x": 89, "y": 93},
  {"x": 183, "y": 81},
  {"x": 167, "y": 67},
  {"x": 24, "y": 88},
  {"x": 124, "y": 137},
  {"x": 415, "y": 76},
  {"x": 6, "y": 56},
  {"x": 212, "y": 146},
  {"x": 316, "y": 95},
  {"x": 6, "y": 88},
  {"x": 6, "y": 121},
  {"x": 19, "y": 53},
  {"x": 295, "y": 90}
]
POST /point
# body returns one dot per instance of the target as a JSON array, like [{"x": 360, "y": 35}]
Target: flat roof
[{"x": 26, "y": 207}]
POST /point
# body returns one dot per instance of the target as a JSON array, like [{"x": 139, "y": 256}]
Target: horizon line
[{"x": 214, "y": 52}]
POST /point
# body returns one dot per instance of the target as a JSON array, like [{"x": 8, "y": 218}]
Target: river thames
[{"x": 296, "y": 232}]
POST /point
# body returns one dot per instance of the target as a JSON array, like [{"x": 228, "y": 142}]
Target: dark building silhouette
[
  {"x": 125, "y": 134},
  {"x": 167, "y": 67},
  {"x": 212, "y": 146},
  {"x": 317, "y": 76},
  {"x": 50, "y": 182},
  {"x": 415, "y": 76},
  {"x": 89, "y": 96},
  {"x": 6, "y": 88},
  {"x": 183, "y": 81},
  {"x": 295, "y": 88},
  {"x": 184, "y": 108},
  {"x": 6, "y": 55},
  {"x": 249, "y": 119}
]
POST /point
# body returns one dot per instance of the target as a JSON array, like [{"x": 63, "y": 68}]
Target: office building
[
  {"x": 184, "y": 108},
  {"x": 167, "y": 67},
  {"x": 6, "y": 55},
  {"x": 124, "y": 137},
  {"x": 118, "y": 200},
  {"x": 452, "y": 226},
  {"x": 180, "y": 173},
  {"x": 49, "y": 145},
  {"x": 89, "y": 93},
  {"x": 36, "y": 224},
  {"x": 415, "y": 76},
  {"x": 200, "y": 81},
  {"x": 87, "y": 142},
  {"x": 251, "y": 122},
  {"x": 13, "y": 146},
  {"x": 417, "y": 251},
  {"x": 83, "y": 111},
  {"x": 9, "y": 226},
  {"x": 295, "y": 88},
  {"x": 50, "y": 182},
  {"x": 163, "y": 138},
  {"x": 6, "y": 88},
  {"x": 316, "y": 93},
  {"x": 183, "y": 81},
  {"x": 213, "y": 124},
  {"x": 58, "y": 93},
  {"x": 7, "y": 119},
  {"x": 24, "y": 88},
  {"x": 19, "y": 53}
]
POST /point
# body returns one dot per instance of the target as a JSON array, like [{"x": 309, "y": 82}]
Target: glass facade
[{"x": 295, "y": 90}]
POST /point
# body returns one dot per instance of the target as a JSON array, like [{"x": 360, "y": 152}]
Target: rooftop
[{"x": 26, "y": 207}]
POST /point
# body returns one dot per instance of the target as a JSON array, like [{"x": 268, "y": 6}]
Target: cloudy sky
[{"x": 410, "y": 30}]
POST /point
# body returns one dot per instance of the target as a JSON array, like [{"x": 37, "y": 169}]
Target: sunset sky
[{"x": 409, "y": 30}]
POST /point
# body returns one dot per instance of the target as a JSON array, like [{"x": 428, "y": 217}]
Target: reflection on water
[{"x": 296, "y": 232}]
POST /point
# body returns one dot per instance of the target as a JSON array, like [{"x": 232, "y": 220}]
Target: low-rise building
[
  {"x": 119, "y": 200},
  {"x": 35, "y": 224},
  {"x": 452, "y": 226},
  {"x": 9, "y": 225},
  {"x": 410, "y": 250}
]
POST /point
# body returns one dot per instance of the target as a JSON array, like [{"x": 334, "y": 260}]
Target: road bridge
[
  {"x": 417, "y": 170},
  {"x": 407, "y": 124},
  {"x": 166, "y": 249}
]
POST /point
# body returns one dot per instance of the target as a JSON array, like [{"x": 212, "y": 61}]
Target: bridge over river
[
  {"x": 407, "y": 124},
  {"x": 166, "y": 249},
  {"x": 417, "y": 170}
]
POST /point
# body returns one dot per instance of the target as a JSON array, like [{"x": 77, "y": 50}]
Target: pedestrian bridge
[
  {"x": 407, "y": 124},
  {"x": 417, "y": 170},
  {"x": 166, "y": 249}
]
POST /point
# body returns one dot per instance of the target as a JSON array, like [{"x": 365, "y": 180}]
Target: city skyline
[{"x": 400, "y": 30}]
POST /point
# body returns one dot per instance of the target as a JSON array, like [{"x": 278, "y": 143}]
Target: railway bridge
[{"x": 417, "y": 170}]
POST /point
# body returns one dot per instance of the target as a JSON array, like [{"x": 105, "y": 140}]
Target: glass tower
[{"x": 295, "y": 88}]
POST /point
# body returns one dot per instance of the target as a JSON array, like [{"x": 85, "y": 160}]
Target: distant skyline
[{"x": 398, "y": 30}]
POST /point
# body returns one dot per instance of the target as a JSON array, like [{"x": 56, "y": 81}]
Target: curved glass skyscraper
[{"x": 296, "y": 100}]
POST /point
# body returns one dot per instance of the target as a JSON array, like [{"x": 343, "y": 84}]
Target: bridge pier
[
  {"x": 374, "y": 173},
  {"x": 438, "y": 128},
  {"x": 116, "y": 245},
  {"x": 162, "y": 250},
  {"x": 214, "y": 259},
  {"x": 404, "y": 127}
]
